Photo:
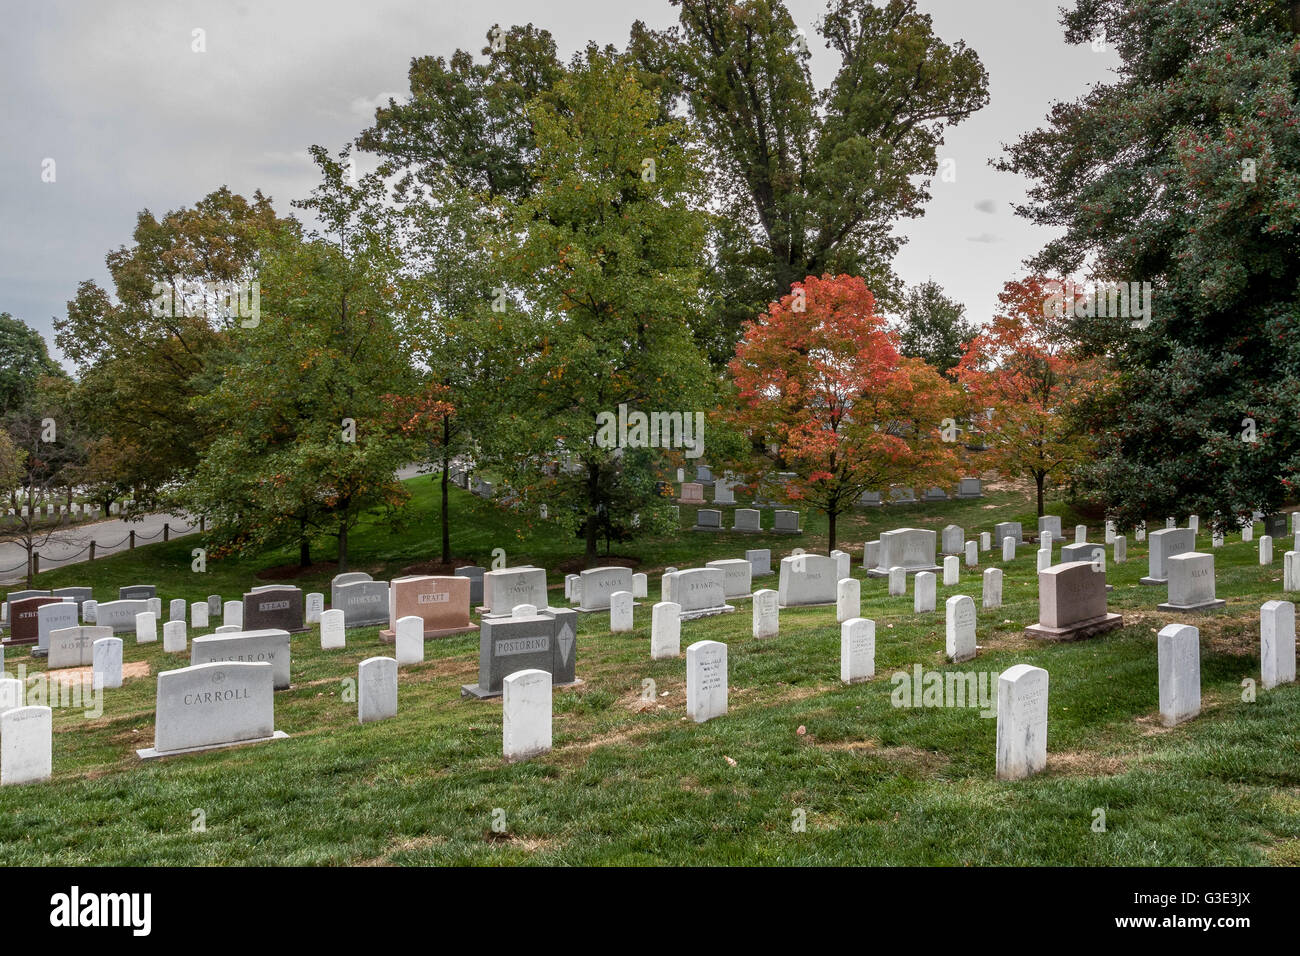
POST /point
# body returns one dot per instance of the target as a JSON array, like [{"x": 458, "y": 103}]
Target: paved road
[{"x": 68, "y": 545}]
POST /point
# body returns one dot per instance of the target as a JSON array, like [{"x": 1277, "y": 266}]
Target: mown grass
[{"x": 631, "y": 782}]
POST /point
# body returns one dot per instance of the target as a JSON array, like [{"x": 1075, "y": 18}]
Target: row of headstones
[
  {"x": 966, "y": 488},
  {"x": 747, "y": 520}
]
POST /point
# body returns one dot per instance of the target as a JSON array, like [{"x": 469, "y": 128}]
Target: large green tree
[
  {"x": 934, "y": 328},
  {"x": 811, "y": 181},
  {"x": 24, "y": 358},
  {"x": 1185, "y": 173}
]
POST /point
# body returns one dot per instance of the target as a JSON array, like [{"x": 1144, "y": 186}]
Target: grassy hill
[{"x": 632, "y": 781}]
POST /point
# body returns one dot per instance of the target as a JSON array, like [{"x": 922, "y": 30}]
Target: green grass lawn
[{"x": 631, "y": 782}]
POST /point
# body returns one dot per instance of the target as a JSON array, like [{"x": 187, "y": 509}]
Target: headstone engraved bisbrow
[
  {"x": 278, "y": 608},
  {"x": 1022, "y": 722},
  {"x": 706, "y": 680},
  {"x": 1164, "y": 544},
  {"x": 959, "y": 613},
  {"x": 1191, "y": 583},
  {"x": 912, "y": 549},
  {"x": 270, "y": 646},
  {"x": 737, "y": 577},
  {"x": 665, "y": 630},
  {"x": 377, "y": 689},
  {"x": 1276, "y": 643},
  {"x": 526, "y": 714},
  {"x": 1179, "y": 655},
  {"x": 857, "y": 650},
  {"x": 598, "y": 584},
  {"x": 363, "y": 603},
  {"x": 546, "y": 640},
  {"x": 26, "y": 745},
  {"x": 207, "y": 706},
  {"x": 1072, "y": 603},
  {"x": 807, "y": 580}
]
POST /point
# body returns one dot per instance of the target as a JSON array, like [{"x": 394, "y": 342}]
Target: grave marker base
[
  {"x": 1193, "y": 608},
  {"x": 708, "y": 611},
  {"x": 877, "y": 573},
  {"x": 1155, "y": 582},
  {"x": 1077, "y": 631},
  {"x": 478, "y": 693},
  {"x": 152, "y": 753},
  {"x": 390, "y": 637}
]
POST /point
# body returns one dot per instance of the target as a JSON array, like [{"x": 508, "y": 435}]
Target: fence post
[
  {"x": 132, "y": 545},
  {"x": 92, "y": 551},
  {"x": 202, "y": 519},
  {"x": 166, "y": 531}
]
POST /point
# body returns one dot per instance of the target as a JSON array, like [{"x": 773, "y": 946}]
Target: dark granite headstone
[
  {"x": 23, "y": 624},
  {"x": 364, "y": 604},
  {"x": 475, "y": 575},
  {"x": 278, "y": 608},
  {"x": 137, "y": 592},
  {"x": 546, "y": 641}
]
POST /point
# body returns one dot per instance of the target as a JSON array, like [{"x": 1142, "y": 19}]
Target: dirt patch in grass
[
  {"x": 1284, "y": 853},
  {"x": 1085, "y": 763},
  {"x": 69, "y": 676},
  {"x": 926, "y": 762},
  {"x": 1007, "y": 637}
]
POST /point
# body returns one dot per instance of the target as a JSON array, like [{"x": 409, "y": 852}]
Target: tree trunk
[
  {"x": 1039, "y": 478},
  {"x": 593, "y": 502},
  {"x": 304, "y": 552},
  {"x": 831, "y": 515},
  {"x": 446, "y": 479},
  {"x": 343, "y": 545}
]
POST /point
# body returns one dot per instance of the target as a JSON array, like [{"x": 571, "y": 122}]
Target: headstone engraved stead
[
  {"x": 748, "y": 520},
  {"x": 52, "y": 617},
  {"x": 232, "y": 614},
  {"x": 1164, "y": 544},
  {"x": 706, "y": 680},
  {"x": 620, "y": 612},
  {"x": 409, "y": 640},
  {"x": 640, "y": 585},
  {"x": 959, "y": 614},
  {"x": 1179, "y": 654},
  {"x": 314, "y": 607},
  {"x": 270, "y": 646},
  {"x": 597, "y": 584},
  {"x": 897, "y": 582},
  {"x": 176, "y": 609},
  {"x": 1191, "y": 583},
  {"x": 1009, "y": 529},
  {"x": 207, "y": 706},
  {"x": 665, "y": 630},
  {"x": 954, "y": 539},
  {"x": 951, "y": 570},
  {"x": 526, "y": 714},
  {"x": 848, "y": 599},
  {"x": 737, "y": 577},
  {"x": 333, "y": 631},
  {"x": 74, "y": 646},
  {"x": 24, "y": 618},
  {"x": 137, "y": 592},
  {"x": 912, "y": 549},
  {"x": 871, "y": 553},
  {"x": 692, "y": 493},
  {"x": 767, "y": 613},
  {"x": 923, "y": 598},
  {"x": 760, "y": 562},
  {"x": 26, "y": 745},
  {"x": 785, "y": 522},
  {"x": 972, "y": 554},
  {"x": 442, "y": 602},
  {"x": 363, "y": 603},
  {"x": 545, "y": 640},
  {"x": 106, "y": 662},
  {"x": 1072, "y": 603},
  {"x": 1022, "y": 722},
  {"x": 120, "y": 615},
  {"x": 347, "y": 577},
  {"x": 807, "y": 580},
  {"x": 1276, "y": 643},
  {"x": 275, "y": 608},
  {"x": 970, "y": 488},
  {"x": 857, "y": 650},
  {"x": 377, "y": 688},
  {"x": 174, "y": 637},
  {"x": 992, "y": 594}
]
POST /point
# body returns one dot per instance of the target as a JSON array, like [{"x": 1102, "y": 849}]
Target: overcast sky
[{"x": 134, "y": 118}]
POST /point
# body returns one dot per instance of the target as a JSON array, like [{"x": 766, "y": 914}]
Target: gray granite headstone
[
  {"x": 546, "y": 641},
  {"x": 475, "y": 575},
  {"x": 137, "y": 592},
  {"x": 807, "y": 580},
  {"x": 120, "y": 615},
  {"x": 364, "y": 604},
  {"x": 1163, "y": 545},
  {"x": 54, "y": 617},
  {"x": 760, "y": 562},
  {"x": 597, "y": 584},
  {"x": 206, "y": 706},
  {"x": 270, "y": 646}
]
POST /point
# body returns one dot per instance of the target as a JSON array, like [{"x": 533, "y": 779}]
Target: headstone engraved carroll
[
  {"x": 1276, "y": 643},
  {"x": 1179, "y": 656},
  {"x": 269, "y": 646},
  {"x": 26, "y": 745},
  {"x": 706, "y": 680},
  {"x": 1191, "y": 583},
  {"x": 807, "y": 580},
  {"x": 1022, "y": 722},
  {"x": 1072, "y": 603},
  {"x": 546, "y": 640},
  {"x": 207, "y": 706},
  {"x": 1164, "y": 544},
  {"x": 376, "y": 689}
]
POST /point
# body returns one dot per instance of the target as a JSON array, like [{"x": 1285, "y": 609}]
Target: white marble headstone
[
  {"x": 665, "y": 630},
  {"x": 314, "y": 607},
  {"x": 526, "y": 714},
  {"x": 409, "y": 640},
  {"x": 233, "y": 613},
  {"x": 106, "y": 662},
  {"x": 848, "y": 599},
  {"x": 377, "y": 684},
  {"x": 26, "y": 745},
  {"x": 1178, "y": 648},
  {"x": 857, "y": 650},
  {"x": 1022, "y": 722},
  {"x": 706, "y": 680},
  {"x": 992, "y": 595},
  {"x": 1276, "y": 643},
  {"x": 620, "y": 612},
  {"x": 199, "y": 615},
  {"x": 951, "y": 570},
  {"x": 767, "y": 613},
  {"x": 174, "y": 637},
  {"x": 146, "y": 628},
  {"x": 924, "y": 597},
  {"x": 332, "y": 632},
  {"x": 959, "y": 613}
]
